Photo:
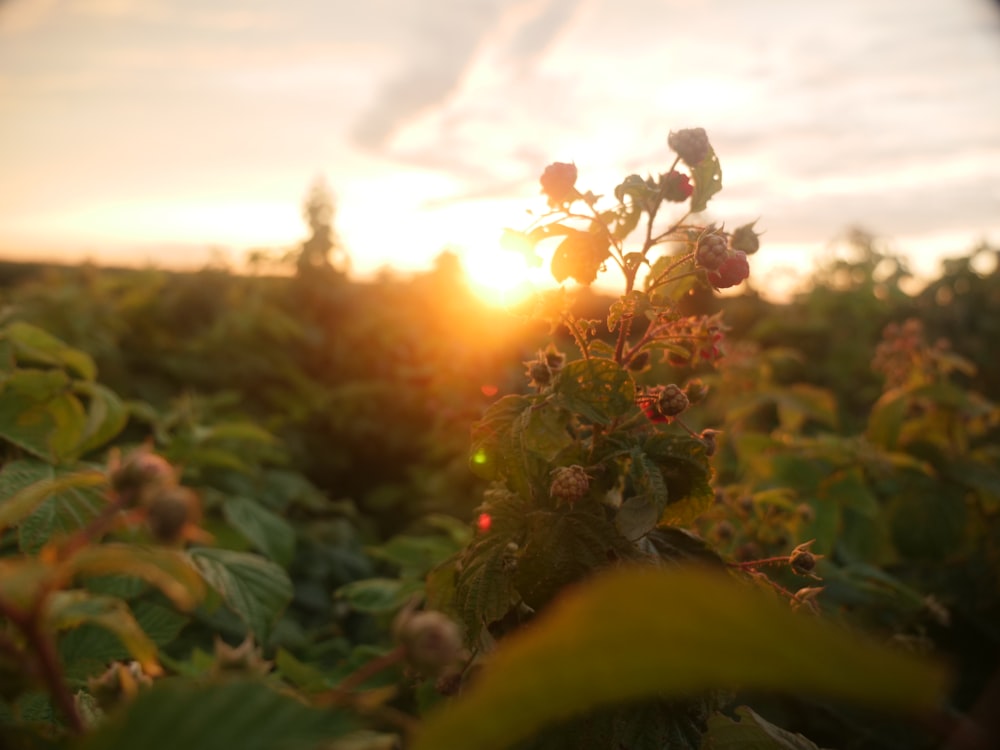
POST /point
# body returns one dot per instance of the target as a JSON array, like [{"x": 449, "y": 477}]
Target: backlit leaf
[{"x": 673, "y": 633}]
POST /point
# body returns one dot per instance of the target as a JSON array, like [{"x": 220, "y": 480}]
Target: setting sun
[{"x": 499, "y": 276}]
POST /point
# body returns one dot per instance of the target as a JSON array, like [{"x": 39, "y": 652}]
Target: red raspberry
[
  {"x": 734, "y": 270},
  {"x": 675, "y": 186}
]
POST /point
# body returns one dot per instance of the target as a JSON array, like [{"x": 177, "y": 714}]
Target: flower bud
[
  {"x": 169, "y": 513},
  {"x": 141, "y": 473},
  {"x": 745, "y": 239}
]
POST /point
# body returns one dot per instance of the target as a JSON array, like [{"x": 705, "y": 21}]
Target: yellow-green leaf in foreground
[
  {"x": 637, "y": 633},
  {"x": 23, "y": 503},
  {"x": 70, "y": 609},
  {"x": 167, "y": 569}
]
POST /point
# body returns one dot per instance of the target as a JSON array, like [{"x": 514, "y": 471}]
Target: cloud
[{"x": 446, "y": 44}]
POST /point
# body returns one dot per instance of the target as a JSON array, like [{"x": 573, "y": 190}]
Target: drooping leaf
[
  {"x": 107, "y": 416},
  {"x": 34, "y": 345},
  {"x": 50, "y": 428},
  {"x": 575, "y": 657},
  {"x": 254, "y": 588},
  {"x": 596, "y": 389},
  {"x": 687, "y": 474}
]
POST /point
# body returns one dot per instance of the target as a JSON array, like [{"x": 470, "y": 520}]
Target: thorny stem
[{"x": 574, "y": 330}]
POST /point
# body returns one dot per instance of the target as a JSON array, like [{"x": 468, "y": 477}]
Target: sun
[{"x": 499, "y": 276}]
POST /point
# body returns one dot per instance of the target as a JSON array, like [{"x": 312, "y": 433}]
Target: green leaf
[
  {"x": 34, "y": 345},
  {"x": 70, "y": 609},
  {"x": 545, "y": 431},
  {"x": 175, "y": 713},
  {"x": 415, "y": 555},
  {"x": 50, "y": 428},
  {"x": 687, "y": 473},
  {"x": 490, "y": 433},
  {"x": 751, "y": 732},
  {"x": 707, "y": 181},
  {"x": 107, "y": 416},
  {"x": 632, "y": 304},
  {"x": 636, "y": 517},
  {"x": 717, "y": 632},
  {"x": 596, "y": 389},
  {"x": 86, "y": 650},
  {"x": 26, "y": 500},
  {"x": 269, "y": 533},
  {"x": 254, "y": 588},
  {"x": 378, "y": 595},
  {"x": 66, "y": 507},
  {"x": 563, "y": 547}
]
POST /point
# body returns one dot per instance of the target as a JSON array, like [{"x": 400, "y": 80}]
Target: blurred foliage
[{"x": 324, "y": 425}]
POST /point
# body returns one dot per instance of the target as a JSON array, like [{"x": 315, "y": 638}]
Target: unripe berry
[
  {"x": 170, "y": 511},
  {"x": 696, "y": 390},
  {"x": 673, "y": 400},
  {"x": 142, "y": 472},
  {"x": 431, "y": 640},
  {"x": 712, "y": 252},
  {"x": 554, "y": 358},
  {"x": 569, "y": 484},
  {"x": 802, "y": 560},
  {"x": 691, "y": 145}
]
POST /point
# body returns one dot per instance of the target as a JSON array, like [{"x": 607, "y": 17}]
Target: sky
[{"x": 174, "y": 131}]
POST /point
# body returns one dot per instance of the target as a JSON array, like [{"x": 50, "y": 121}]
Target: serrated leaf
[
  {"x": 61, "y": 512},
  {"x": 248, "y": 715},
  {"x": 596, "y": 389},
  {"x": 25, "y": 501},
  {"x": 70, "y": 609},
  {"x": 559, "y": 664},
  {"x": 269, "y": 533},
  {"x": 86, "y": 650},
  {"x": 687, "y": 473},
  {"x": 629, "y": 306},
  {"x": 254, "y": 588},
  {"x": 490, "y": 433},
  {"x": 707, "y": 181},
  {"x": 484, "y": 587},
  {"x": 544, "y": 431}
]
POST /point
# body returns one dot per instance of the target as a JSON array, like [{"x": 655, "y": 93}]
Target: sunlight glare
[{"x": 499, "y": 277}]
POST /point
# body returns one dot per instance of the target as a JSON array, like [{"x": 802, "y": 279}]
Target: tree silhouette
[{"x": 323, "y": 250}]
